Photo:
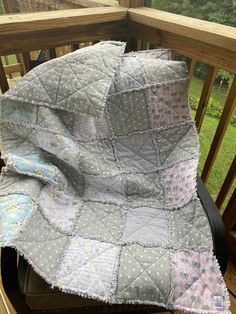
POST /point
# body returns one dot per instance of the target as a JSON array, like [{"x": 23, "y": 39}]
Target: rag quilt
[{"x": 99, "y": 188}]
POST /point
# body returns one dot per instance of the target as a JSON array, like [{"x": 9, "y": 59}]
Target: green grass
[
  {"x": 219, "y": 93},
  {"x": 224, "y": 158},
  {"x": 227, "y": 148}
]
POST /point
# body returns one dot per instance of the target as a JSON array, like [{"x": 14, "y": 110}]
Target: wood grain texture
[
  {"x": 229, "y": 215},
  {"x": 131, "y": 3},
  {"x": 57, "y": 37},
  {"x": 190, "y": 47},
  {"x": 229, "y": 179},
  {"x": 13, "y": 68},
  {"x": 190, "y": 65},
  {"x": 220, "y": 131},
  {"x": 93, "y": 3},
  {"x": 62, "y": 19},
  {"x": 3, "y": 79},
  {"x": 203, "y": 31},
  {"x": 205, "y": 96}
]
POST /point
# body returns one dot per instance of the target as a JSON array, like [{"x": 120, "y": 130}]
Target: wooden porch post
[
  {"x": 133, "y": 44},
  {"x": 131, "y": 3}
]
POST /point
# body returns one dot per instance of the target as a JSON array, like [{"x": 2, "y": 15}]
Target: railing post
[
  {"x": 131, "y": 3},
  {"x": 133, "y": 43},
  {"x": 3, "y": 79}
]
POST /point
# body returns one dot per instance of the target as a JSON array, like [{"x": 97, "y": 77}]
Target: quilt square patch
[
  {"x": 105, "y": 189},
  {"x": 100, "y": 221},
  {"x": 42, "y": 244},
  {"x": 128, "y": 112},
  {"x": 176, "y": 143},
  {"x": 190, "y": 227},
  {"x": 20, "y": 114},
  {"x": 88, "y": 267},
  {"x": 86, "y": 127},
  {"x": 15, "y": 209},
  {"x": 128, "y": 76},
  {"x": 147, "y": 226},
  {"x": 97, "y": 157},
  {"x": 144, "y": 274},
  {"x": 180, "y": 183},
  {"x": 59, "y": 207},
  {"x": 144, "y": 189},
  {"x": 136, "y": 152},
  {"x": 160, "y": 71},
  {"x": 196, "y": 280},
  {"x": 168, "y": 104}
]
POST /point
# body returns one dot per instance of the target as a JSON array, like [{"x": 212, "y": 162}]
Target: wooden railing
[{"x": 197, "y": 40}]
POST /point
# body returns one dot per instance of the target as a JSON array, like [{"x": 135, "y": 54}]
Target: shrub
[{"x": 214, "y": 108}]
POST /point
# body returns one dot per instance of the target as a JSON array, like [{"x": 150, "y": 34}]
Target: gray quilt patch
[
  {"x": 189, "y": 226},
  {"x": 128, "y": 112},
  {"x": 41, "y": 244},
  {"x": 97, "y": 158},
  {"x": 137, "y": 152},
  {"x": 176, "y": 144},
  {"x": 100, "y": 189},
  {"x": 144, "y": 189},
  {"x": 128, "y": 76},
  {"x": 100, "y": 221},
  {"x": 160, "y": 71},
  {"x": 139, "y": 267},
  {"x": 147, "y": 226}
]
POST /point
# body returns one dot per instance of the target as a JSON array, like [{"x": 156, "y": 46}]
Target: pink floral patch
[
  {"x": 198, "y": 284},
  {"x": 168, "y": 104},
  {"x": 180, "y": 183}
]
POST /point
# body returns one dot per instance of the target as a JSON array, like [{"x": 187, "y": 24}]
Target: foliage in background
[
  {"x": 219, "y": 11},
  {"x": 214, "y": 108}
]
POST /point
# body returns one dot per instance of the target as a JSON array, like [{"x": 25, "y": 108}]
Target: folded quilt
[{"x": 99, "y": 188}]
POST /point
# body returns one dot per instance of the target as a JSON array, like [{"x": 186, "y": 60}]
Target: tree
[{"x": 219, "y": 11}]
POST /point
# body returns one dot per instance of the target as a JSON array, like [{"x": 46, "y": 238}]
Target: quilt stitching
[
  {"x": 155, "y": 94},
  {"x": 144, "y": 271},
  {"x": 193, "y": 225},
  {"x": 136, "y": 153},
  {"x": 174, "y": 145},
  {"x": 148, "y": 143}
]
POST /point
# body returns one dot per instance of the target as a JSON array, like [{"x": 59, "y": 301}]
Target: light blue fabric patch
[
  {"x": 23, "y": 113},
  {"x": 33, "y": 165},
  {"x": 15, "y": 209}
]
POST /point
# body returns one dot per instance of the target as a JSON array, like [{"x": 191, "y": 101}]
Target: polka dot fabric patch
[{"x": 99, "y": 188}]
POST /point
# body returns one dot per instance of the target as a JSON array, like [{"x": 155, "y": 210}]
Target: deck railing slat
[
  {"x": 131, "y": 3},
  {"x": 220, "y": 131},
  {"x": 13, "y": 68},
  {"x": 52, "y": 53},
  {"x": 229, "y": 216},
  {"x": 190, "y": 65},
  {"x": 3, "y": 79},
  {"x": 227, "y": 184},
  {"x": 205, "y": 96}
]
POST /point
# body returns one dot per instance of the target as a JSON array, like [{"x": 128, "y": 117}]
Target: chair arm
[{"x": 217, "y": 226}]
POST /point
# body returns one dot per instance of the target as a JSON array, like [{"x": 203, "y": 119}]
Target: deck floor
[{"x": 230, "y": 278}]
